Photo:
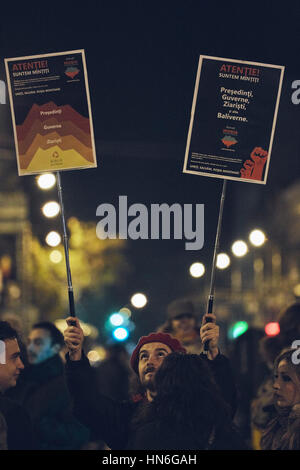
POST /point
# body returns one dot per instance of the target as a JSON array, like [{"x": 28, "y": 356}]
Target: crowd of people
[{"x": 169, "y": 395}]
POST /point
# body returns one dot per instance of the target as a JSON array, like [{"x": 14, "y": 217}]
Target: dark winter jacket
[
  {"x": 3, "y": 433},
  {"x": 111, "y": 421},
  {"x": 158, "y": 435},
  {"x": 19, "y": 429},
  {"x": 45, "y": 395}
]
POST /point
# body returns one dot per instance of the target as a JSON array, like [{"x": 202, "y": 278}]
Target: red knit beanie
[{"x": 164, "y": 338}]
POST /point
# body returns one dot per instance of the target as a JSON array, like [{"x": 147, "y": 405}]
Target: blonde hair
[{"x": 287, "y": 355}]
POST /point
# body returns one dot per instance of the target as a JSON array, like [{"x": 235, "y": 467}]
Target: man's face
[
  {"x": 10, "y": 371},
  {"x": 151, "y": 355},
  {"x": 286, "y": 386},
  {"x": 184, "y": 324},
  {"x": 40, "y": 346}
]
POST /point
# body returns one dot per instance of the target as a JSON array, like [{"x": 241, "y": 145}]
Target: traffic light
[
  {"x": 120, "y": 334},
  {"x": 272, "y": 328},
  {"x": 119, "y": 326},
  {"x": 116, "y": 319},
  {"x": 238, "y": 329}
]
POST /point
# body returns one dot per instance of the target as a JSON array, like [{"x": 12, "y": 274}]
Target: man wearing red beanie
[
  {"x": 111, "y": 421},
  {"x": 148, "y": 356}
]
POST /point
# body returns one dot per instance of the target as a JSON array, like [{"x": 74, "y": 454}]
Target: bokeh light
[
  {"x": 239, "y": 248},
  {"x": 296, "y": 290},
  {"x": 93, "y": 356},
  {"x": 238, "y": 329},
  {"x": 197, "y": 269},
  {"x": 125, "y": 311},
  {"x": 223, "y": 261},
  {"x": 55, "y": 256},
  {"x": 272, "y": 328},
  {"x": 51, "y": 209},
  {"x": 46, "y": 181},
  {"x": 120, "y": 334},
  {"x": 116, "y": 319},
  {"x": 257, "y": 237},
  {"x": 139, "y": 300},
  {"x": 53, "y": 238}
]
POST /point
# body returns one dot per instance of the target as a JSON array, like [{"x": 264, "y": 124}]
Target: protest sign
[
  {"x": 233, "y": 119},
  {"x": 51, "y": 112}
]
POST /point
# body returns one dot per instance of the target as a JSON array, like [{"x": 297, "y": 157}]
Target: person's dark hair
[
  {"x": 270, "y": 347},
  {"x": 187, "y": 398},
  {"x": 289, "y": 322},
  {"x": 56, "y": 336},
  {"x": 167, "y": 327},
  {"x": 175, "y": 309},
  {"x": 7, "y": 331},
  {"x": 287, "y": 355}
]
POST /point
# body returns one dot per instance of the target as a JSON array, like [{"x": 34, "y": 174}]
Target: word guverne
[{"x": 154, "y": 224}]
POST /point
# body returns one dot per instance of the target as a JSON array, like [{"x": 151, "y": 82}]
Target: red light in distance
[{"x": 272, "y": 329}]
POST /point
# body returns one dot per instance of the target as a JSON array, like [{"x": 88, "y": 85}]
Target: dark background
[{"x": 142, "y": 59}]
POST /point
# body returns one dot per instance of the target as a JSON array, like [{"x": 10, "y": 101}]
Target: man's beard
[{"x": 148, "y": 384}]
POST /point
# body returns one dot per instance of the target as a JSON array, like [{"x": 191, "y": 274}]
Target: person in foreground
[
  {"x": 283, "y": 431},
  {"x": 187, "y": 411},
  {"x": 18, "y": 426},
  {"x": 44, "y": 392},
  {"x": 118, "y": 423}
]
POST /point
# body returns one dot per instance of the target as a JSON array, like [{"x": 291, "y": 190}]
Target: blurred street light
[
  {"x": 55, "y": 256},
  {"x": 257, "y": 237},
  {"x": 296, "y": 290},
  {"x": 197, "y": 270},
  {"x": 120, "y": 334},
  {"x": 46, "y": 181},
  {"x": 53, "y": 239},
  {"x": 51, "y": 209},
  {"x": 93, "y": 356},
  {"x": 116, "y": 319},
  {"x": 139, "y": 300},
  {"x": 125, "y": 311},
  {"x": 223, "y": 261},
  {"x": 239, "y": 248},
  {"x": 272, "y": 328},
  {"x": 238, "y": 329}
]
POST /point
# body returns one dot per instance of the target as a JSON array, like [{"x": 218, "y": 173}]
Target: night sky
[{"x": 142, "y": 59}]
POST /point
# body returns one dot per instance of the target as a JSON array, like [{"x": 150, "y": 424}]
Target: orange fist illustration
[{"x": 254, "y": 169}]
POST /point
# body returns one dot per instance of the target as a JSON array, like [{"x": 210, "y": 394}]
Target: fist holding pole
[{"x": 74, "y": 337}]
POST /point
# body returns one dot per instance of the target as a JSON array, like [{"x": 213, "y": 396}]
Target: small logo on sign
[
  {"x": 229, "y": 140},
  {"x": 72, "y": 72}
]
